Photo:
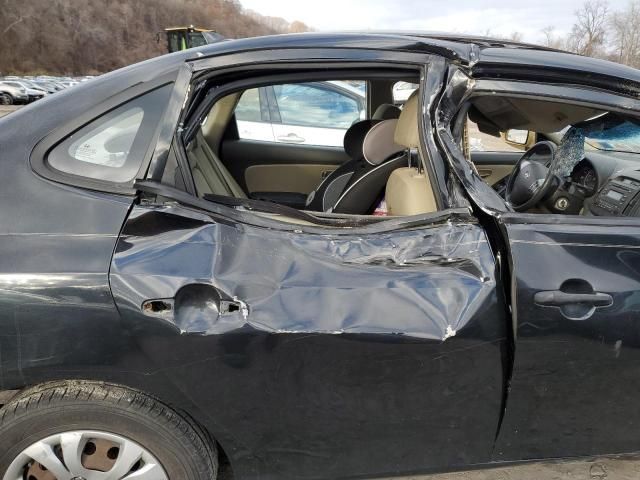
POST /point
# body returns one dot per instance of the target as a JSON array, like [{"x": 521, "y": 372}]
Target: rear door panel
[
  {"x": 333, "y": 354},
  {"x": 302, "y": 178},
  {"x": 249, "y": 160}
]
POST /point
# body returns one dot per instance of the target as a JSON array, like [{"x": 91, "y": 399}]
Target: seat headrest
[
  {"x": 407, "y": 133},
  {"x": 379, "y": 144},
  {"x": 354, "y": 138},
  {"x": 386, "y": 111}
]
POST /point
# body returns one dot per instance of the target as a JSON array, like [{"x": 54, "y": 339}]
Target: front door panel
[
  {"x": 575, "y": 385},
  {"x": 321, "y": 355},
  {"x": 494, "y": 166}
]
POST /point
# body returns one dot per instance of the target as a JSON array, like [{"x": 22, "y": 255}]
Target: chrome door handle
[
  {"x": 558, "y": 298},
  {"x": 573, "y": 306}
]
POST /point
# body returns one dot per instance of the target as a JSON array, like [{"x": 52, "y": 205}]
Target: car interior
[
  {"x": 350, "y": 148},
  {"x": 361, "y": 158},
  {"x": 573, "y": 159}
]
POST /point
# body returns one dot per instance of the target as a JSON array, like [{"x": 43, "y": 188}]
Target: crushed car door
[{"x": 334, "y": 352}]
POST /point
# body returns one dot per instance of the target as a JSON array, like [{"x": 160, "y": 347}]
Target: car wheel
[
  {"x": 6, "y": 99},
  {"x": 86, "y": 430}
]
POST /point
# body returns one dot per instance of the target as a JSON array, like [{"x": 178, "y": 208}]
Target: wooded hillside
[{"x": 75, "y": 37}]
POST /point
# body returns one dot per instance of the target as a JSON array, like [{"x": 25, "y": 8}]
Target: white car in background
[
  {"x": 12, "y": 94},
  {"x": 33, "y": 91},
  {"x": 317, "y": 113},
  {"x": 402, "y": 91}
]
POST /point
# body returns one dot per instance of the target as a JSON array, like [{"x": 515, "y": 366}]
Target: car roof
[
  {"x": 466, "y": 50},
  {"x": 456, "y": 45}
]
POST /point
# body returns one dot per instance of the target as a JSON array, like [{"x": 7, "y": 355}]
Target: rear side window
[
  {"x": 315, "y": 113},
  {"x": 112, "y": 147},
  {"x": 317, "y": 106},
  {"x": 248, "y": 108}
]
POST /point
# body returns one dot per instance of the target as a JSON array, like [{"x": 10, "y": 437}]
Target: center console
[{"x": 619, "y": 197}]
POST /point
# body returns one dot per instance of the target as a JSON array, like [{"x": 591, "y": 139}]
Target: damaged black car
[{"x": 322, "y": 256}]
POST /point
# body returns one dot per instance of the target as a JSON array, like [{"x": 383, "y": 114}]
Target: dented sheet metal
[
  {"x": 465, "y": 178},
  {"x": 293, "y": 338},
  {"x": 436, "y": 277}
]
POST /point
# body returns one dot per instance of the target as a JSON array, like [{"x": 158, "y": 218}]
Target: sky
[{"x": 495, "y": 17}]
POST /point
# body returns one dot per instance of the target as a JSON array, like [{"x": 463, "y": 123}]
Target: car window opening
[
  {"x": 330, "y": 147},
  {"x": 551, "y": 157}
]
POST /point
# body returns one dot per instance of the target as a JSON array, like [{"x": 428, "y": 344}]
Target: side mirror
[{"x": 519, "y": 137}]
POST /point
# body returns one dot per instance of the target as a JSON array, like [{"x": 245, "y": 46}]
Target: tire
[
  {"x": 6, "y": 99},
  {"x": 104, "y": 419}
]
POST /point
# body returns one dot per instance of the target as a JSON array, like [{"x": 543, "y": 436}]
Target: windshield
[
  {"x": 608, "y": 132},
  {"x": 620, "y": 136}
]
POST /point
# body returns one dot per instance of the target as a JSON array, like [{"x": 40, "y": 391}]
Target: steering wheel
[{"x": 532, "y": 179}]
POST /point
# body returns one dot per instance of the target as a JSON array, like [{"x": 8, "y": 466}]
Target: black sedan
[{"x": 225, "y": 255}]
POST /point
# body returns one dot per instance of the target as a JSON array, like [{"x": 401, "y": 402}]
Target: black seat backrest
[
  {"x": 325, "y": 196},
  {"x": 363, "y": 193}
]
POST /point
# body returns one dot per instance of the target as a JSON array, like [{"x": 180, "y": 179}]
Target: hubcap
[{"x": 85, "y": 455}]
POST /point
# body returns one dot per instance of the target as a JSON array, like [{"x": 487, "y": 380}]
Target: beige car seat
[{"x": 409, "y": 190}]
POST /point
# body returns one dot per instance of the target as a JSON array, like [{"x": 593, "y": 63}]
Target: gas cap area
[{"x": 199, "y": 309}]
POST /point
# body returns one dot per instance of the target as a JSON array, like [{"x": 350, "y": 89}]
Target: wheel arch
[{"x": 170, "y": 397}]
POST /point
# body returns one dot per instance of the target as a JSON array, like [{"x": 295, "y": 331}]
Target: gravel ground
[
  {"x": 6, "y": 109},
  {"x": 600, "y": 469}
]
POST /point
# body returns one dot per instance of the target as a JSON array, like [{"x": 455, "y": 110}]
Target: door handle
[
  {"x": 558, "y": 298},
  {"x": 290, "y": 138}
]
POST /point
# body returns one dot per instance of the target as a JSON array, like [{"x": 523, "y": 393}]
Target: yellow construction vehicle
[{"x": 181, "y": 38}]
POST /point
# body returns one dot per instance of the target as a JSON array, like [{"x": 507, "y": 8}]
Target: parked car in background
[
  {"x": 312, "y": 114},
  {"x": 47, "y": 86},
  {"x": 12, "y": 94},
  {"x": 68, "y": 83},
  {"x": 33, "y": 91},
  {"x": 402, "y": 91},
  {"x": 37, "y": 87}
]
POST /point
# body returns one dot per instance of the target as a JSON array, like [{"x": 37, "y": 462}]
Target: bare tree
[
  {"x": 516, "y": 37},
  {"x": 588, "y": 34},
  {"x": 298, "y": 27},
  {"x": 552, "y": 40},
  {"x": 95, "y": 36},
  {"x": 625, "y": 34}
]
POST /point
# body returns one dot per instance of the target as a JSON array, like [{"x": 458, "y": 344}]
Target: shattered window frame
[
  {"x": 462, "y": 88},
  {"x": 343, "y": 221}
]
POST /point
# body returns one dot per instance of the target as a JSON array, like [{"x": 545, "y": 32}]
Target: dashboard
[
  {"x": 584, "y": 175},
  {"x": 601, "y": 184},
  {"x": 606, "y": 184}
]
